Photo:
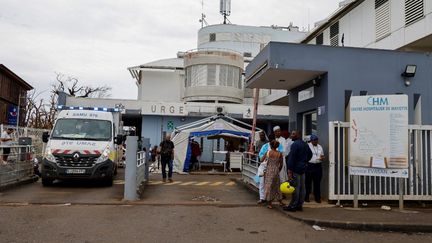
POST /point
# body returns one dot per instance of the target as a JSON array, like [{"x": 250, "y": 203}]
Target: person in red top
[{"x": 196, "y": 152}]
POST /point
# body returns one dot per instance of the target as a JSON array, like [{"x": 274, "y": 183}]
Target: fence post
[
  {"x": 401, "y": 194},
  {"x": 356, "y": 184},
  {"x": 130, "y": 190},
  {"x": 332, "y": 160}
]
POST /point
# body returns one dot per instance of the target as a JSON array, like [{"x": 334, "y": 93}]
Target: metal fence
[
  {"x": 18, "y": 166},
  {"x": 418, "y": 186},
  {"x": 34, "y": 133},
  {"x": 136, "y": 171},
  {"x": 142, "y": 171},
  {"x": 250, "y": 165}
]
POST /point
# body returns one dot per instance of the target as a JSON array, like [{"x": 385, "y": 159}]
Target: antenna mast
[
  {"x": 203, "y": 16},
  {"x": 225, "y": 9}
]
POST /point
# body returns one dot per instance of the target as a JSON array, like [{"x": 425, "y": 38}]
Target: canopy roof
[{"x": 212, "y": 127}]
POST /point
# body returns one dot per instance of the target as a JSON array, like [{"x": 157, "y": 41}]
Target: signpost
[
  {"x": 12, "y": 115},
  {"x": 378, "y": 137}
]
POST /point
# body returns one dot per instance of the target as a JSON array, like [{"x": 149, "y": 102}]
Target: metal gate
[{"x": 418, "y": 186}]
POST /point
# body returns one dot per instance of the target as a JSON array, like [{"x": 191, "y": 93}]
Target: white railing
[
  {"x": 418, "y": 186},
  {"x": 249, "y": 168},
  {"x": 136, "y": 171},
  {"x": 18, "y": 166},
  {"x": 142, "y": 168},
  {"x": 34, "y": 133}
]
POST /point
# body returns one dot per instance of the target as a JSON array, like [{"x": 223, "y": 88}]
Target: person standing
[
  {"x": 314, "y": 170},
  {"x": 282, "y": 141},
  {"x": 263, "y": 151},
  {"x": 262, "y": 140},
  {"x": 6, "y": 142},
  {"x": 167, "y": 156},
  {"x": 297, "y": 162},
  {"x": 196, "y": 153},
  {"x": 271, "y": 175}
]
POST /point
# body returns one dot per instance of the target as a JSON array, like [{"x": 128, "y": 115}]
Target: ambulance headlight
[
  {"x": 105, "y": 155},
  {"x": 49, "y": 156}
]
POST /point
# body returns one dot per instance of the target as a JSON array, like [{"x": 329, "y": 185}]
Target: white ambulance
[{"x": 84, "y": 144}]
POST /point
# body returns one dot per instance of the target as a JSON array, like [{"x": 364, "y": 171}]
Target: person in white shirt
[
  {"x": 6, "y": 142},
  {"x": 283, "y": 175},
  {"x": 314, "y": 170}
]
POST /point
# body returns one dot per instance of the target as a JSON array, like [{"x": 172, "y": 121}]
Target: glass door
[{"x": 309, "y": 124}]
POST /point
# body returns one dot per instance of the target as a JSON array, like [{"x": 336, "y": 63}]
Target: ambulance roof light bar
[{"x": 63, "y": 107}]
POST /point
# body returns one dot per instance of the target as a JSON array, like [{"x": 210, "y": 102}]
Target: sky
[{"x": 96, "y": 41}]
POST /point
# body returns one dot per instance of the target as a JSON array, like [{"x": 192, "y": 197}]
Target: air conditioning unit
[{"x": 220, "y": 110}]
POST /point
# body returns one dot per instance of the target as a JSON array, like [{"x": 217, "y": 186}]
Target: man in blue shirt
[{"x": 298, "y": 158}]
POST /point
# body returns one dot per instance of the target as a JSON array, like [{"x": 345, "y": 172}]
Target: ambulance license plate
[{"x": 75, "y": 171}]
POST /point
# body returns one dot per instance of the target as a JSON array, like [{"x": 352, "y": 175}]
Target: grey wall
[{"x": 355, "y": 69}]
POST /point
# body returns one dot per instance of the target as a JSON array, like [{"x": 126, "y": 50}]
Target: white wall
[
  {"x": 161, "y": 85},
  {"x": 359, "y": 27}
]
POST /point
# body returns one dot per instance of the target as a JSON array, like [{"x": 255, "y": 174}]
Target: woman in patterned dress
[{"x": 271, "y": 175}]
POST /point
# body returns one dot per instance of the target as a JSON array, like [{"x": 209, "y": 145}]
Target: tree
[
  {"x": 41, "y": 112},
  {"x": 71, "y": 86}
]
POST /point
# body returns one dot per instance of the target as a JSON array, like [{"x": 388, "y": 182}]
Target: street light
[{"x": 409, "y": 72}]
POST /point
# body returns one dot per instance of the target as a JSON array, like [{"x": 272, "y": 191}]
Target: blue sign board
[{"x": 12, "y": 114}]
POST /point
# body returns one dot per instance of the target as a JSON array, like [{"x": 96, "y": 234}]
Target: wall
[
  {"x": 358, "y": 25},
  {"x": 161, "y": 85},
  {"x": 375, "y": 71},
  {"x": 244, "y": 38},
  {"x": 355, "y": 69}
]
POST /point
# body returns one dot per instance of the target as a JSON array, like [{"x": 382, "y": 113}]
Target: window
[
  {"x": 212, "y": 37},
  {"x": 223, "y": 73},
  {"x": 240, "y": 86},
  {"x": 320, "y": 39},
  {"x": 334, "y": 34},
  {"x": 197, "y": 75},
  {"x": 73, "y": 129},
  {"x": 211, "y": 74},
  {"x": 382, "y": 18},
  {"x": 414, "y": 10},
  {"x": 231, "y": 75}
]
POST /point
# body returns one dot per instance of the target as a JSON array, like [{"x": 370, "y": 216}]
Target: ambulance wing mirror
[
  {"x": 119, "y": 139},
  {"x": 45, "y": 137}
]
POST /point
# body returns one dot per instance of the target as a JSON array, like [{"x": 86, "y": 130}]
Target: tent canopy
[{"x": 212, "y": 127}]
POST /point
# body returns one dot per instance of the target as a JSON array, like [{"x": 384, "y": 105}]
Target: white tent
[{"x": 212, "y": 126}]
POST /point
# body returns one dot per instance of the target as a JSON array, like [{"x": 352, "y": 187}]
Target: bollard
[
  {"x": 401, "y": 194},
  {"x": 130, "y": 187},
  {"x": 356, "y": 187}
]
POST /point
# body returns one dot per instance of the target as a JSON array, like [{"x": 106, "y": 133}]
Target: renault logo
[{"x": 76, "y": 156}]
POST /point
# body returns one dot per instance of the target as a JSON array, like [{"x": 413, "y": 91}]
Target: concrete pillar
[{"x": 130, "y": 187}]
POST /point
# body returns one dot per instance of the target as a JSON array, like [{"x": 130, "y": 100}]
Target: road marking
[
  {"x": 172, "y": 183},
  {"x": 155, "y": 182},
  {"x": 188, "y": 183},
  {"x": 232, "y": 183},
  {"x": 202, "y": 183},
  {"x": 119, "y": 182},
  {"x": 217, "y": 183}
]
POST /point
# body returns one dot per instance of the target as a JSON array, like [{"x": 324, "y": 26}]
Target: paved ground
[
  {"x": 66, "y": 192},
  {"x": 198, "y": 189},
  {"x": 196, "y": 208}
]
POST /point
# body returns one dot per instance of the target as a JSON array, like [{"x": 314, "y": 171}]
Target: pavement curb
[
  {"x": 19, "y": 183},
  {"x": 125, "y": 203},
  {"x": 365, "y": 226},
  {"x": 349, "y": 225}
]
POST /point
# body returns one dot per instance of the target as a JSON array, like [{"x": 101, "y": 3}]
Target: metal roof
[{"x": 15, "y": 77}]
